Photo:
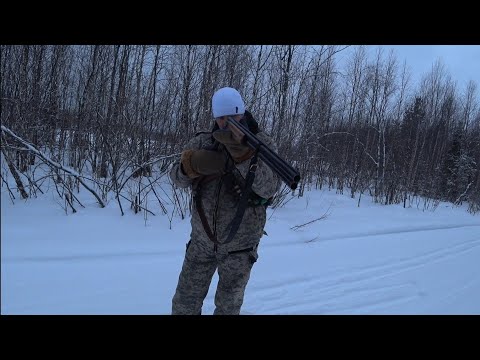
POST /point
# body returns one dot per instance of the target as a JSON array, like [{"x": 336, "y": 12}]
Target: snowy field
[{"x": 371, "y": 259}]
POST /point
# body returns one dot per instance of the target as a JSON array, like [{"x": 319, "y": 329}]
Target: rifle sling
[
  {"x": 243, "y": 202},
  {"x": 201, "y": 212}
]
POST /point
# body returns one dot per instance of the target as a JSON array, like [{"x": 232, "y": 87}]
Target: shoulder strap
[
  {"x": 242, "y": 204},
  {"x": 198, "y": 204}
]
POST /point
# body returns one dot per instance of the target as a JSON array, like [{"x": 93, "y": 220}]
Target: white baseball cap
[{"x": 227, "y": 101}]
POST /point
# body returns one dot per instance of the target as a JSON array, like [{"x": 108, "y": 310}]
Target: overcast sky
[{"x": 461, "y": 61}]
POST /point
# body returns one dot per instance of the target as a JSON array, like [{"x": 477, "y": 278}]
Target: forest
[{"x": 111, "y": 119}]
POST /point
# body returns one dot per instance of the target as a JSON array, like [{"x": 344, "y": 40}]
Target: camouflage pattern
[{"x": 234, "y": 259}]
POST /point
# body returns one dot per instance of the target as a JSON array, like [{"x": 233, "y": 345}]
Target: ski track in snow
[
  {"x": 88, "y": 257},
  {"x": 320, "y": 239},
  {"x": 454, "y": 293},
  {"x": 398, "y": 231},
  {"x": 349, "y": 292},
  {"x": 323, "y": 294}
]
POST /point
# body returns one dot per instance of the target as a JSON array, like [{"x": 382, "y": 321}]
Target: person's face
[{"x": 222, "y": 121}]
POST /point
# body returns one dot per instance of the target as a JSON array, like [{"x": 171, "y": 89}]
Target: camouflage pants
[{"x": 197, "y": 272}]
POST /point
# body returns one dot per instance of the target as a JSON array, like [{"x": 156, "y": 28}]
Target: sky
[
  {"x": 367, "y": 259},
  {"x": 461, "y": 61}
]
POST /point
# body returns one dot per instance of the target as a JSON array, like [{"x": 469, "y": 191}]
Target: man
[{"x": 215, "y": 164}]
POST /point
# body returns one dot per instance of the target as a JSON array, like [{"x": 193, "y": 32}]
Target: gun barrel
[
  {"x": 288, "y": 178},
  {"x": 287, "y": 173}
]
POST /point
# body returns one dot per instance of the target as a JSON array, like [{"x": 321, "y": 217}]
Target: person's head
[{"x": 227, "y": 102}]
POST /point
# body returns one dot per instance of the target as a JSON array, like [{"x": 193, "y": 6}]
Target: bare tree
[{"x": 115, "y": 116}]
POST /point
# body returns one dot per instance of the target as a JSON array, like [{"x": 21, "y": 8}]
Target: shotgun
[{"x": 285, "y": 171}]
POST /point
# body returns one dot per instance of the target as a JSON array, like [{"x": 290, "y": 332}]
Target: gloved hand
[
  {"x": 240, "y": 152},
  {"x": 202, "y": 162}
]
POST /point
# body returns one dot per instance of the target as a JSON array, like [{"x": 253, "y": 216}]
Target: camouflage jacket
[{"x": 219, "y": 202}]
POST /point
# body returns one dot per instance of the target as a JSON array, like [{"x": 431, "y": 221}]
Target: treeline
[{"x": 111, "y": 113}]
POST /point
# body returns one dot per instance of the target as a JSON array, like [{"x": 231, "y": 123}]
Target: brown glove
[
  {"x": 202, "y": 162},
  {"x": 240, "y": 152}
]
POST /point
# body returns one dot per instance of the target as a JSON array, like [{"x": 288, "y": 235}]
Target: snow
[{"x": 372, "y": 259}]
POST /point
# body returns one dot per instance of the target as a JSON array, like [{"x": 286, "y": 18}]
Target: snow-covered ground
[{"x": 371, "y": 259}]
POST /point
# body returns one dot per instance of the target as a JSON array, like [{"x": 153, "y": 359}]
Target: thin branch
[
  {"x": 140, "y": 207},
  {"x": 158, "y": 198},
  {"x": 151, "y": 162},
  {"x": 12, "y": 197},
  {"x": 52, "y": 163},
  {"x": 347, "y": 133},
  {"x": 457, "y": 202},
  {"x": 296, "y": 227},
  {"x": 324, "y": 216}
]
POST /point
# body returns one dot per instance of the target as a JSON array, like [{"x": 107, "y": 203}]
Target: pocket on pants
[
  {"x": 253, "y": 255},
  {"x": 251, "y": 251}
]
